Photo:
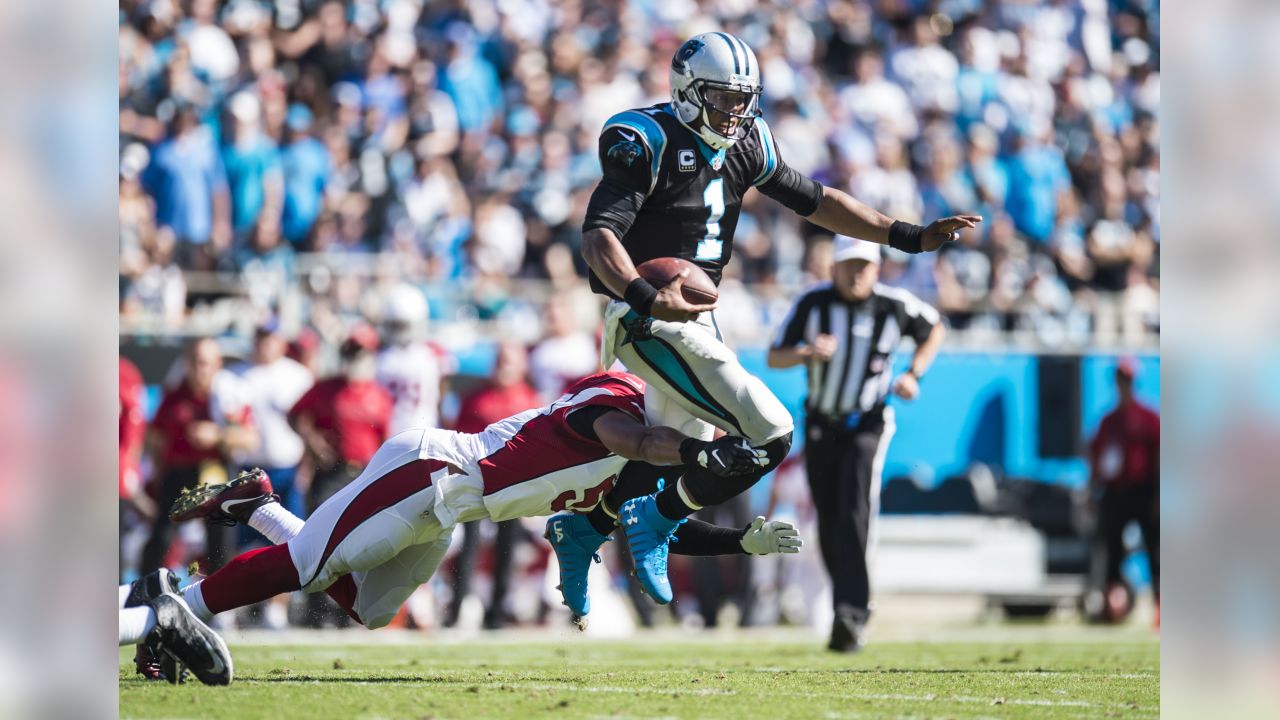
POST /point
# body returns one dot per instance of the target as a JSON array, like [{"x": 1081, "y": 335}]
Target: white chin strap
[
  {"x": 715, "y": 139},
  {"x": 709, "y": 136}
]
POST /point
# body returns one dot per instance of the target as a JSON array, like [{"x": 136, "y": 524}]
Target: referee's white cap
[{"x": 847, "y": 248}]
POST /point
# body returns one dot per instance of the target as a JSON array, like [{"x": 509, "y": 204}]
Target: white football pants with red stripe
[{"x": 389, "y": 529}]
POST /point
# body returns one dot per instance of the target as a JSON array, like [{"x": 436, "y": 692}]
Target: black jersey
[{"x": 666, "y": 193}]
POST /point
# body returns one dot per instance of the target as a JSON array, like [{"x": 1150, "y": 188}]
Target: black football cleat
[
  {"x": 151, "y": 586},
  {"x": 847, "y": 636},
  {"x": 180, "y": 636},
  {"x": 225, "y": 504},
  {"x": 149, "y": 663}
]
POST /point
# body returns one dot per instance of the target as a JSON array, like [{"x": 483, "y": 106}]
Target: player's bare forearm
[
  {"x": 928, "y": 350},
  {"x": 661, "y": 446},
  {"x": 785, "y": 357},
  {"x": 843, "y": 214},
  {"x": 630, "y": 438},
  {"x": 604, "y": 253}
]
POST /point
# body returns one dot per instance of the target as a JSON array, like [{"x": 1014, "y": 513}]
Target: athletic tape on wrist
[
  {"x": 640, "y": 295},
  {"x": 906, "y": 237}
]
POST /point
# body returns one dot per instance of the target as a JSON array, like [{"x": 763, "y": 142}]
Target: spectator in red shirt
[
  {"x": 507, "y": 393},
  {"x": 343, "y": 419},
  {"x": 189, "y": 442},
  {"x": 1125, "y": 480},
  {"x": 133, "y": 430}
]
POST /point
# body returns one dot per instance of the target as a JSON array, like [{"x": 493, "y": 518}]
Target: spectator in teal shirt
[
  {"x": 307, "y": 166},
  {"x": 472, "y": 83},
  {"x": 1037, "y": 175},
  {"x": 189, "y": 184},
  {"x": 252, "y": 163}
]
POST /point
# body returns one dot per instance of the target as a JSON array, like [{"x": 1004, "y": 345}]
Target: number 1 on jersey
[{"x": 711, "y": 246}]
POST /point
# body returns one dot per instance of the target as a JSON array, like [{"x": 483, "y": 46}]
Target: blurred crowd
[{"x": 295, "y": 158}]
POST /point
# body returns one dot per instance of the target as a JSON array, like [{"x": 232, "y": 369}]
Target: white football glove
[{"x": 771, "y": 536}]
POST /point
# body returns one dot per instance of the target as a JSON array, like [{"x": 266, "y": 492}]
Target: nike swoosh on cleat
[
  {"x": 632, "y": 138},
  {"x": 716, "y": 454},
  {"x": 218, "y": 667},
  {"x": 227, "y": 505}
]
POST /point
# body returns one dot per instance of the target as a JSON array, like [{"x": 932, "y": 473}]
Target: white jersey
[
  {"x": 272, "y": 390},
  {"x": 534, "y": 463},
  {"x": 558, "y": 361},
  {"x": 412, "y": 374}
]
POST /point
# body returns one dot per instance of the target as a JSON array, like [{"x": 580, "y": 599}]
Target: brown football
[{"x": 697, "y": 287}]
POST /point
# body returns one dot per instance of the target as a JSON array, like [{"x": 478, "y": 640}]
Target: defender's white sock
[
  {"x": 276, "y": 523},
  {"x": 194, "y": 598},
  {"x": 124, "y": 595},
  {"x": 135, "y": 623}
]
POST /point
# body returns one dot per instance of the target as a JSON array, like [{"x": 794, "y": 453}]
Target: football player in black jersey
[{"x": 674, "y": 178}]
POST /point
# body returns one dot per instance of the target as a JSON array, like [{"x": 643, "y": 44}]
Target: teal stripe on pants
[{"x": 662, "y": 359}]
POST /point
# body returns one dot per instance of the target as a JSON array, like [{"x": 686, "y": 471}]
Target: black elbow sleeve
[{"x": 794, "y": 191}]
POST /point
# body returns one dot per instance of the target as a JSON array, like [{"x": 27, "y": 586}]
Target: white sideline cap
[{"x": 847, "y": 248}]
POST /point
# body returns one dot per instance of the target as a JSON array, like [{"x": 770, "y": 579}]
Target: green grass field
[{"x": 718, "y": 676}]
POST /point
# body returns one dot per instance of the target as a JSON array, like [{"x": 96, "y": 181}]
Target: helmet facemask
[{"x": 727, "y": 111}]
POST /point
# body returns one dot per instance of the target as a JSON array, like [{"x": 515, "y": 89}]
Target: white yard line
[{"x": 852, "y": 695}]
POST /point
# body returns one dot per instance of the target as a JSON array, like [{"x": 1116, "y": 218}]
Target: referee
[{"x": 846, "y": 332}]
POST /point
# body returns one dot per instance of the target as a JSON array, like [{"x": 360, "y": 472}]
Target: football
[{"x": 697, "y": 288}]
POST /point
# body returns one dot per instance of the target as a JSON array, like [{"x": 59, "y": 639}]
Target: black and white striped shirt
[{"x": 858, "y": 378}]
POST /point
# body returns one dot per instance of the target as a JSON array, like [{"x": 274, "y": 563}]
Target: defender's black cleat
[{"x": 181, "y": 636}]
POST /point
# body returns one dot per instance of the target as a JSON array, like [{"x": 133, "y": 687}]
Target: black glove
[{"x": 727, "y": 457}]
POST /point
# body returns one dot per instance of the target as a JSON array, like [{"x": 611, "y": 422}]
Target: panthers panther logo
[
  {"x": 688, "y": 50},
  {"x": 625, "y": 153}
]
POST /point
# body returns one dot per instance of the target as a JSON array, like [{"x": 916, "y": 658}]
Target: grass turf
[{"x": 715, "y": 677}]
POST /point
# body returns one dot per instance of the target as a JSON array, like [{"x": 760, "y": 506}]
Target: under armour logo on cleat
[{"x": 632, "y": 519}]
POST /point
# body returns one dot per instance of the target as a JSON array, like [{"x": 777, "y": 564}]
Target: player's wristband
[
  {"x": 906, "y": 237},
  {"x": 639, "y": 295},
  {"x": 918, "y": 376},
  {"x": 689, "y": 450}
]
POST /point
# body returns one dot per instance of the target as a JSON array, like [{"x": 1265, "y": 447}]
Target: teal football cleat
[
  {"x": 648, "y": 534},
  {"x": 575, "y": 543}
]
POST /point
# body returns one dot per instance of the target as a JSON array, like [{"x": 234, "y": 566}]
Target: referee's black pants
[
  {"x": 841, "y": 464},
  {"x": 1117, "y": 508}
]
